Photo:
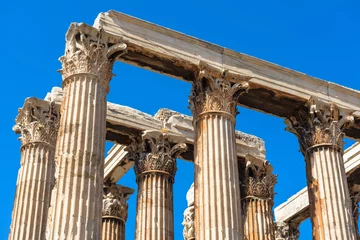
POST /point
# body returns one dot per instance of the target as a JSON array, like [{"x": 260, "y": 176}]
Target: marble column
[
  {"x": 213, "y": 102},
  {"x": 114, "y": 211},
  {"x": 318, "y": 127},
  {"x": 155, "y": 167},
  {"x": 76, "y": 202},
  {"x": 355, "y": 199},
  {"x": 258, "y": 202},
  {"x": 287, "y": 231},
  {"x": 188, "y": 223},
  {"x": 37, "y": 126}
]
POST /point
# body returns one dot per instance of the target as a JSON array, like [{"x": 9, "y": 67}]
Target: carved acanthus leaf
[
  {"x": 210, "y": 93},
  {"x": 318, "y": 123},
  {"x": 154, "y": 152},
  {"x": 89, "y": 54},
  {"x": 188, "y": 223},
  {"x": 37, "y": 123},
  {"x": 287, "y": 231},
  {"x": 115, "y": 201},
  {"x": 259, "y": 182}
]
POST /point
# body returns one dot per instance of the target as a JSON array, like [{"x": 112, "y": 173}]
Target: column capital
[
  {"x": 89, "y": 54},
  {"x": 156, "y": 151},
  {"x": 189, "y": 216},
  {"x": 259, "y": 181},
  {"x": 115, "y": 201},
  {"x": 287, "y": 231},
  {"x": 216, "y": 91},
  {"x": 318, "y": 123},
  {"x": 37, "y": 122}
]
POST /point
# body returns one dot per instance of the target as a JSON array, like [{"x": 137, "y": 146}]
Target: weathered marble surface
[
  {"x": 273, "y": 89},
  {"x": 296, "y": 208}
]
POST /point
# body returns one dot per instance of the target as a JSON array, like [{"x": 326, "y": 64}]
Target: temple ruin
[{"x": 67, "y": 190}]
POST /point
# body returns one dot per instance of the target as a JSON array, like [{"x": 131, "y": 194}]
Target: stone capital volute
[
  {"x": 318, "y": 123},
  {"x": 213, "y": 91},
  {"x": 89, "y": 54},
  {"x": 115, "y": 201},
  {"x": 156, "y": 151},
  {"x": 37, "y": 123},
  {"x": 259, "y": 181}
]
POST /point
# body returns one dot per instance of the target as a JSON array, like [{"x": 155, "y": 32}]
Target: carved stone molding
[
  {"x": 259, "y": 181},
  {"x": 318, "y": 123},
  {"x": 37, "y": 123},
  {"x": 213, "y": 91},
  {"x": 188, "y": 223},
  {"x": 153, "y": 152},
  {"x": 287, "y": 231},
  {"x": 189, "y": 216},
  {"x": 115, "y": 201},
  {"x": 89, "y": 54}
]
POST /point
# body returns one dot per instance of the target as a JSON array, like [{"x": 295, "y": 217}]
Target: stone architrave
[
  {"x": 258, "y": 202},
  {"x": 213, "y": 102},
  {"x": 188, "y": 223},
  {"x": 76, "y": 202},
  {"x": 287, "y": 231},
  {"x": 114, "y": 211},
  {"x": 38, "y": 127},
  {"x": 155, "y": 166},
  {"x": 318, "y": 127}
]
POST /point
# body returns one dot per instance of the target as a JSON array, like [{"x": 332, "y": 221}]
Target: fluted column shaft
[
  {"x": 330, "y": 204},
  {"x": 259, "y": 219},
  {"x": 77, "y": 197},
  {"x": 213, "y": 103},
  {"x": 319, "y": 129},
  {"x": 155, "y": 167},
  {"x": 155, "y": 216},
  {"x": 217, "y": 194},
  {"x": 38, "y": 128},
  {"x": 33, "y": 192},
  {"x": 114, "y": 211},
  {"x": 112, "y": 229}
]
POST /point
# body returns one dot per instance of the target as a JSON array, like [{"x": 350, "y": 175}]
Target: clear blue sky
[{"x": 319, "y": 38}]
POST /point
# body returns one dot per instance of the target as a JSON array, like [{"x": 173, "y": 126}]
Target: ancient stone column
[
  {"x": 287, "y": 231},
  {"x": 114, "y": 211},
  {"x": 355, "y": 199},
  {"x": 37, "y": 126},
  {"x": 155, "y": 166},
  {"x": 76, "y": 202},
  {"x": 188, "y": 223},
  {"x": 318, "y": 128},
  {"x": 258, "y": 202},
  {"x": 213, "y": 102}
]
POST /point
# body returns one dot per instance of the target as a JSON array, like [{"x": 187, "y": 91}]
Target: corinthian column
[
  {"x": 77, "y": 197},
  {"x": 318, "y": 128},
  {"x": 287, "y": 231},
  {"x": 213, "y": 103},
  {"x": 259, "y": 200},
  {"x": 115, "y": 211},
  {"x": 188, "y": 223},
  {"x": 37, "y": 126},
  {"x": 155, "y": 168}
]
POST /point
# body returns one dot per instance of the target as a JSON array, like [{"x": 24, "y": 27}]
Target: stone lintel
[
  {"x": 273, "y": 89},
  {"x": 296, "y": 208}
]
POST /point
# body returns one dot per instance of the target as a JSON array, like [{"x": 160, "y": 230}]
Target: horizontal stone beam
[
  {"x": 123, "y": 122},
  {"x": 273, "y": 89},
  {"x": 296, "y": 208}
]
